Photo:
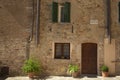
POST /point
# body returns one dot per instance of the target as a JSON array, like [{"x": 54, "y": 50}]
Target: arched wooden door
[{"x": 89, "y": 58}]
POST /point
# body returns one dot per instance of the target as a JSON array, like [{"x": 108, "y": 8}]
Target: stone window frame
[{"x": 62, "y": 55}]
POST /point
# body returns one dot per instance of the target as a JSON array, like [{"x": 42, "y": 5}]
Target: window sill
[
  {"x": 62, "y": 59},
  {"x": 61, "y": 22},
  {"x": 64, "y": 23}
]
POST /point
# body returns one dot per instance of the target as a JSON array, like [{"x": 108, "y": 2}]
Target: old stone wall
[
  {"x": 79, "y": 30},
  {"x": 15, "y": 28},
  {"x": 88, "y": 25}
]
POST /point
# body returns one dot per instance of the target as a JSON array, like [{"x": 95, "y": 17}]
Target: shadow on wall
[
  {"x": 3, "y": 78},
  {"x": 4, "y": 72}
]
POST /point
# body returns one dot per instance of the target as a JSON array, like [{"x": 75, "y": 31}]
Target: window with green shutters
[{"x": 61, "y": 12}]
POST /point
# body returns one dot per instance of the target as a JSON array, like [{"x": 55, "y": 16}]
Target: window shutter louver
[
  {"x": 55, "y": 12},
  {"x": 67, "y": 11}
]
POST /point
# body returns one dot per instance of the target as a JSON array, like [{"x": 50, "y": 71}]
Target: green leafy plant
[
  {"x": 104, "y": 68},
  {"x": 31, "y": 65},
  {"x": 73, "y": 68}
]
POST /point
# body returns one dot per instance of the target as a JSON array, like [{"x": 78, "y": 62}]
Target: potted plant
[
  {"x": 31, "y": 67},
  {"x": 73, "y": 69},
  {"x": 104, "y": 70}
]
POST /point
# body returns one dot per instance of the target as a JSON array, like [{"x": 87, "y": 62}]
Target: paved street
[{"x": 66, "y": 78}]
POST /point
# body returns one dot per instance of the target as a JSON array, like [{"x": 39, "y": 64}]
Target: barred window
[{"x": 62, "y": 50}]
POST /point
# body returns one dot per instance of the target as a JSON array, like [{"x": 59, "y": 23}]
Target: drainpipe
[
  {"x": 28, "y": 48},
  {"x": 29, "y": 39},
  {"x": 38, "y": 22},
  {"x": 108, "y": 2}
]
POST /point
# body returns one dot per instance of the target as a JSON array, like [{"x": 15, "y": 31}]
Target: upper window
[
  {"x": 62, "y": 50},
  {"x": 61, "y": 12}
]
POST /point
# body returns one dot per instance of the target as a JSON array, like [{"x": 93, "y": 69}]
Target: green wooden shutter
[
  {"x": 119, "y": 10},
  {"x": 67, "y": 11},
  {"x": 55, "y": 12}
]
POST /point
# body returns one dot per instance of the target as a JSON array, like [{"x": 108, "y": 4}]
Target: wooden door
[{"x": 89, "y": 58}]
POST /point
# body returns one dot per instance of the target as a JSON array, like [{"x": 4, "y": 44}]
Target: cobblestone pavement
[{"x": 65, "y": 78}]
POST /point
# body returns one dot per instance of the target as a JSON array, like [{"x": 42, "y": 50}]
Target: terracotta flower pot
[
  {"x": 104, "y": 74},
  {"x": 75, "y": 74},
  {"x": 31, "y": 74}
]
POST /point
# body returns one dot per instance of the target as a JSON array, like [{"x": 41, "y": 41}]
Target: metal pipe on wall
[
  {"x": 108, "y": 2},
  {"x": 37, "y": 22},
  {"x": 29, "y": 39},
  {"x": 32, "y": 20}
]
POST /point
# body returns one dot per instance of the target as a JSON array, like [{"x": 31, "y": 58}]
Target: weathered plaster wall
[
  {"x": 15, "y": 23},
  {"x": 115, "y": 31},
  {"x": 109, "y": 55}
]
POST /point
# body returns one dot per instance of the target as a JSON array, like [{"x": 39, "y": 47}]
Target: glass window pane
[
  {"x": 66, "y": 50},
  {"x": 62, "y": 14},
  {"x": 58, "y": 51}
]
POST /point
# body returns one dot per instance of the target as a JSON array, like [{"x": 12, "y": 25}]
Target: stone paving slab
[{"x": 65, "y": 78}]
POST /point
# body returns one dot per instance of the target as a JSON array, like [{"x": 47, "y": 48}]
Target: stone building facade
[
  {"x": 67, "y": 32},
  {"x": 15, "y": 24}
]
